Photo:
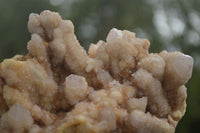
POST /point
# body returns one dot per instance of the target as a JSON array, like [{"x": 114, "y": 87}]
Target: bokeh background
[{"x": 168, "y": 24}]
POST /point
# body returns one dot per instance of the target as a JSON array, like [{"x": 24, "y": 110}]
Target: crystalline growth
[{"x": 118, "y": 87}]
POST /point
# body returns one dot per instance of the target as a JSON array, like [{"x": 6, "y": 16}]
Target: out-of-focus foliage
[{"x": 168, "y": 24}]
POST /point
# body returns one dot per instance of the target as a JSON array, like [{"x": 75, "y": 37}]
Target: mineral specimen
[{"x": 117, "y": 88}]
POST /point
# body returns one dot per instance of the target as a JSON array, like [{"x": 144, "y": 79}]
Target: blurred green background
[{"x": 168, "y": 24}]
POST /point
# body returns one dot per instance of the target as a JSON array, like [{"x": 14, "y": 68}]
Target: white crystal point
[
  {"x": 178, "y": 70},
  {"x": 183, "y": 66},
  {"x": 114, "y": 35}
]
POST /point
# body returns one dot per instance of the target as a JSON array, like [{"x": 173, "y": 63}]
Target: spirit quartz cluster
[{"x": 118, "y": 87}]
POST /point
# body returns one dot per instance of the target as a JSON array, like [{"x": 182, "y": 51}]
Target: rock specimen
[{"x": 119, "y": 87}]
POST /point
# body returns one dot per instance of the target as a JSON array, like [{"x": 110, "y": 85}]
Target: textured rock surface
[{"x": 118, "y": 87}]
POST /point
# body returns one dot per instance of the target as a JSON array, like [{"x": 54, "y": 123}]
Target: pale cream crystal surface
[{"x": 119, "y": 87}]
